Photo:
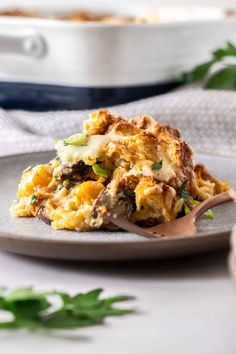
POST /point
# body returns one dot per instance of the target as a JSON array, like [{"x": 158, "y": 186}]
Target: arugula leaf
[
  {"x": 225, "y": 78},
  {"x": 157, "y": 165},
  {"x": 34, "y": 310}
]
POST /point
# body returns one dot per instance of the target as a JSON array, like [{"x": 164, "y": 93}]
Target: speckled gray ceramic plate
[{"x": 30, "y": 236}]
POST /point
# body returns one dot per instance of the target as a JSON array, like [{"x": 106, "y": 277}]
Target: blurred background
[
  {"x": 158, "y": 2},
  {"x": 50, "y": 72},
  {"x": 46, "y": 64},
  {"x": 222, "y": 3}
]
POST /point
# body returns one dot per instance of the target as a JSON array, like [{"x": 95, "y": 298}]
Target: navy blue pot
[{"x": 42, "y": 97}]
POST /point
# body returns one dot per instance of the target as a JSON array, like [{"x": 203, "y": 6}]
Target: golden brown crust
[
  {"x": 154, "y": 199},
  {"x": 146, "y": 122},
  {"x": 99, "y": 122},
  {"x": 204, "y": 176}
]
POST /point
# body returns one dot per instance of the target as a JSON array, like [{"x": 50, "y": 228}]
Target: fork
[{"x": 184, "y": 226}]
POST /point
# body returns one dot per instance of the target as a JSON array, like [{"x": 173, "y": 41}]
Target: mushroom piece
[
  {"x": 42, "y": 215},
  {"x": 69, "y": 170},
  {"x": 120, "y": 204}
]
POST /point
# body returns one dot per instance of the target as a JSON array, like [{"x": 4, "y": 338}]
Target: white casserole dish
[{"x": 105, "y": 56}]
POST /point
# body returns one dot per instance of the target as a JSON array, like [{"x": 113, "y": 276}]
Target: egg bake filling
[{"x": 139, "y": 168}]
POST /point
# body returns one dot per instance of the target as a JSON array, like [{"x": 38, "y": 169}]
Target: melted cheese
[
  {"x": 165, "y": 174},
  {"x": 88, "y": 153}
]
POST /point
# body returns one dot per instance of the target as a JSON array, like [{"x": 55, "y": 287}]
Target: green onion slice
[
  {"x": 76, "y": 139},
  {"x": 100, "y": 171},
  {"x": 67, "y": 184},
  {"x": 196, "y": 202},
  {"x": 209, "y": 214},
  {"x": 33, "y": 199},
  {"x": 186, "y": 210},
  {"x": 178, "y": 206}
]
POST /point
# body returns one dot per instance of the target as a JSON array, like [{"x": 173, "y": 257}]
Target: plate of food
[{"x": 53, "y": 204}]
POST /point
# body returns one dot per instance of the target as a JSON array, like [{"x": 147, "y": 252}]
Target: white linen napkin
[{"x": 206, "y": 119}]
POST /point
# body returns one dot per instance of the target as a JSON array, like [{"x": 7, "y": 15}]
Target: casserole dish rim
[{"x": 66, "y": 24}]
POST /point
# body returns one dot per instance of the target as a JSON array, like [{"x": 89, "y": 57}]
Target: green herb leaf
[
  {"x": 100, "y": 171},
  {"x": 36, "y": 310},
  {"x": 178, "y": 206},
  {"x": 183, "y": 185},
  {"x": 33, "y": 199},
  {"x": 221, "y": 53},
  {"x": 186, "y": 210},
  {"x": 196, "y": 202},
  {"x": 209, "y": 214},
  {"x": 157, "y": 165},
  {"x": 182, "y": 192},
  {"x": 129, "y": 193},
  {"x": 67, "y": 183},
  {"x": 76, "y": 139},
  {"x": 225, "y": 78},
  {"x": 26, "y": 303},
  {"x": 198, "y": 73}
]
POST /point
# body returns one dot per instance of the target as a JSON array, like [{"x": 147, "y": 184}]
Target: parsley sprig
[
  {"x": 34, "y": 310},
  {"x": 223, "y": 78}
]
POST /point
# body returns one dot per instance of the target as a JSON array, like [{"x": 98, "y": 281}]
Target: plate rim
[{"x": 142, "y": 240}]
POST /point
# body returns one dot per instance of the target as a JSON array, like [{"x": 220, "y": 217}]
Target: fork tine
[{"x": 128, "y": 226}]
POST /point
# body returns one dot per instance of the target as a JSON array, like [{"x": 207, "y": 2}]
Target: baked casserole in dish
[{"x": 101, "y": 53}]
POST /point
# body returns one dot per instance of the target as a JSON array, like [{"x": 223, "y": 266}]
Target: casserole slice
[{"x": 140, "y": 168}]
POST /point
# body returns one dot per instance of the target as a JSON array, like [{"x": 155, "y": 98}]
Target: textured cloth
[{"x": 206, "y": 119}]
